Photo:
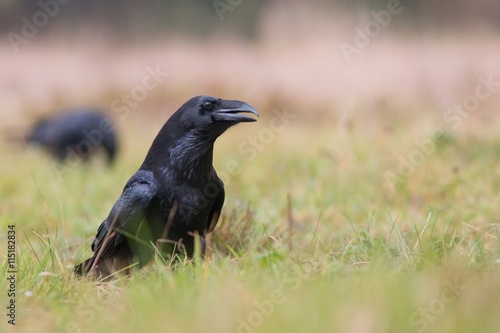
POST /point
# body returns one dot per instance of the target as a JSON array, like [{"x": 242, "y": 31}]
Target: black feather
[{"x": 176, "y": 178}]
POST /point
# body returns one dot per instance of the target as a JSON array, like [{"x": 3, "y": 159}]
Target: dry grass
[{"x": 365, "y": 254}]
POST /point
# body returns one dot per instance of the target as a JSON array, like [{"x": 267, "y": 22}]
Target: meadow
[{"x": 356, "y": 204}]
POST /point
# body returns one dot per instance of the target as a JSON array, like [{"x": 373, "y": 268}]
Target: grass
[
  {"x": 313, "y": 238},
  {"x": 314, "y": 235}
]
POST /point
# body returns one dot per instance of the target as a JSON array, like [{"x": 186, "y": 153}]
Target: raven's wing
[
  {"x": 129, "y": 210},
  {"x": 216, "y": 208}
]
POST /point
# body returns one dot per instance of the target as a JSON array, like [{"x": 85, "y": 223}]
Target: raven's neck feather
[
  {"x": 189, "y": 155},
  {"x": 192, "y": 156}
]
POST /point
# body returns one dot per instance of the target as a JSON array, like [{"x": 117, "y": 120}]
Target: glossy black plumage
[{"x": 176, "y": 193}]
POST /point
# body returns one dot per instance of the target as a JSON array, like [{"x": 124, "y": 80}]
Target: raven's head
[
  {"x": 189, "y": 134},
  {"x": 41, "y": 133},
  {"x": 211, "y": 115}
]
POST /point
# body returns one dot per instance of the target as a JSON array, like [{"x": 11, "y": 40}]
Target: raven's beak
[{"x": 230, "y": 111}]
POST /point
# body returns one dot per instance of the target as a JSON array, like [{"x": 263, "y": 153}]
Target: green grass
[{"x": 349, "y": 251}]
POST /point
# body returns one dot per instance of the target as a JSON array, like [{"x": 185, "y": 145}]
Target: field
[{"x": 361, "y": 201}]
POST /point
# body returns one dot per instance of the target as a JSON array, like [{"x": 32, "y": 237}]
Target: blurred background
[
  {"x": 375, "y": 116},
  {"x": 307, "y": 56},
  {"x": 363, "y": 81}
]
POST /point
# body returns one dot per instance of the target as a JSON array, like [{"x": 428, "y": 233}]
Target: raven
[
  {"x": 175, "y": 196},
  {"x": 78, "y": 133}
]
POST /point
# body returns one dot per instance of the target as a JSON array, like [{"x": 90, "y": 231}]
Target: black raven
[
  {"x": 175, "y": 196},
  {"x": 76, "y": 134}
]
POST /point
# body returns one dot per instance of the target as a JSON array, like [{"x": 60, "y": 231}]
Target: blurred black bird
[
  {"x": 76, "y": 135},
  {"x": 174, "y": 197}
]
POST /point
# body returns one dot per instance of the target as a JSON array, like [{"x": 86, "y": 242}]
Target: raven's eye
[{"x": 208, "y": 105}]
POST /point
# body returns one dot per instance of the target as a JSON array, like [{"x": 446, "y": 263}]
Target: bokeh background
[
  {"x": 272, "y": 53},
  {"x": 384, "y": 175}
]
